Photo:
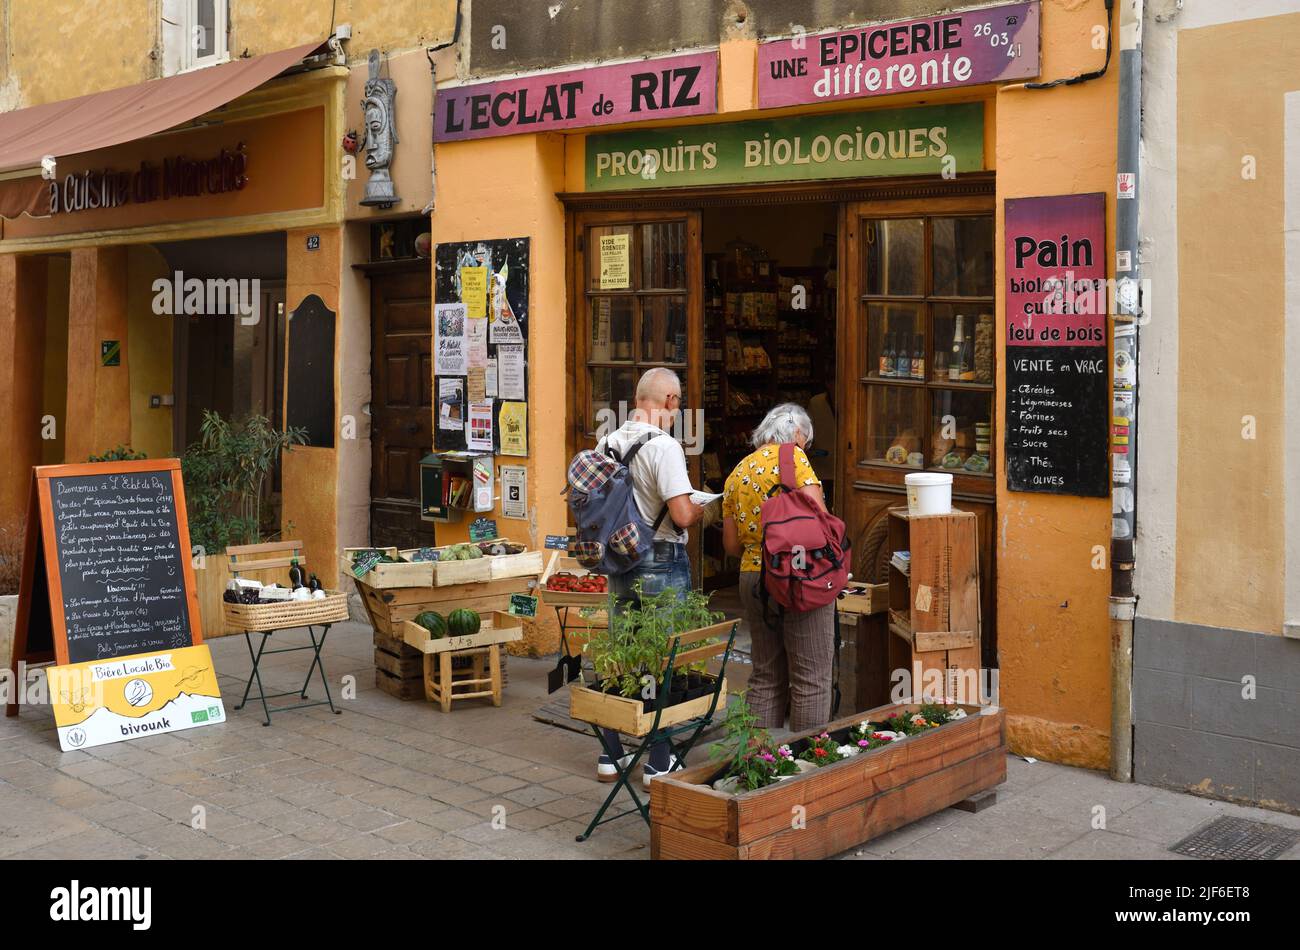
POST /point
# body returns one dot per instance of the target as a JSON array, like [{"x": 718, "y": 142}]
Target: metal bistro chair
[{"x": 681, "y": 654}]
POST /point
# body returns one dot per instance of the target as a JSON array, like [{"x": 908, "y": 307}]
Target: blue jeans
[{"x": 667, "y": 566}]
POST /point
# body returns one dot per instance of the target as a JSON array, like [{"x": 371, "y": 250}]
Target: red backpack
[{"x": 805, "y": 549}]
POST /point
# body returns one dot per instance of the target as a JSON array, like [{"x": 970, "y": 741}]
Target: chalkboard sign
[
  {"x": 1057, "y": 414},
  {"x": 107, "y": 569},
  {"x": 311, "y": 370}
]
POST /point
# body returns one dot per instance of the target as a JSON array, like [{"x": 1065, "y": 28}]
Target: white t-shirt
[{"x": 658, "y": 472}]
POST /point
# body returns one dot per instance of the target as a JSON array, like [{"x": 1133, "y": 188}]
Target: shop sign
[
  {"x": 934, "y": 140},
  {"x": 1057, "y": 422},
  {"x": 175, "y": 177},
  {"x": 964, "y": 48},
  {"x": 667, "y": 88}
]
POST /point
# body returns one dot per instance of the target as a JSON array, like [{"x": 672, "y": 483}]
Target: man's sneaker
[
  {"x": 605, "y": 770},
  {"x": 651, "y": 772}
]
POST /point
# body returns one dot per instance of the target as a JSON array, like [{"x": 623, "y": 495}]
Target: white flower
[
  {"x": 957, "y": 713},
  {"x": 786, "y": 751},
  {"x": 864, "y": 726},
  {"x": 847, "y": 750}
]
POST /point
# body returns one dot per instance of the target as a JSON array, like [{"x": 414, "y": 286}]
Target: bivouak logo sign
[{"x": 964, "y": 48}]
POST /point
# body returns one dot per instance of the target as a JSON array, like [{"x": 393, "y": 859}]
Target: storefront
[{"x": 793, "y": 240}]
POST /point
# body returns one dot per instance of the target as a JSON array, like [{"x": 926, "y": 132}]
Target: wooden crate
[
  {"x": 405, "y": 689},
  {"x": 844, "y": 804},
  {"x": 628, "y": 716},
  {"x": 387, "y": 576},
  {"x": 873, "y": 600},
  {"x": 388, "y": 608},
  {"x": 399, "y": 668},
  {"x": 559, "y": 598},
  {"x": 523, "y": 564},
  {"x": 498, "y": 627}
]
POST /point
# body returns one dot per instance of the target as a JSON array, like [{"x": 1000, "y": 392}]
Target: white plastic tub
[{"x": 929, "y": 493}]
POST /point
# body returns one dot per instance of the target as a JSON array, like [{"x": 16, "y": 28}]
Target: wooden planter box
[
  {"x": 628, "y": 716},
  {"x": 845, "y": 804}
]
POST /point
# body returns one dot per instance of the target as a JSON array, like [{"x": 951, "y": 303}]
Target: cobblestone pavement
[{"x": 392, "y": 779}]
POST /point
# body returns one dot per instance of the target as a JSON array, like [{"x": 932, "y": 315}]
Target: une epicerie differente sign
[
  {"x": 1057, "y": 369},
  {"x": 963, "y": 48},
  {"x": 928, "y": 140},
  {"x": 667, "y": 88}
]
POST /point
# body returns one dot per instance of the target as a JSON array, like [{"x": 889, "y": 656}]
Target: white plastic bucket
[{"x": 929, "y": 493}]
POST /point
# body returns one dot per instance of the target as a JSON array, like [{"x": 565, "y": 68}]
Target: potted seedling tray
[
  {"x": 840, "y": 805},
  {"x": 388, "y": 575},
  {"x": 566, "y": 598},
  {"x": 283, "y": 614}
]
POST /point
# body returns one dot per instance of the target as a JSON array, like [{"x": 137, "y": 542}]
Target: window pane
[
  {"x": 963, "y": 257},
  {"x": 960, "y": 423},
  {"x": 611, "y": 329},
  {"x": 611, "y": 258},
  {"x": 611, "y": 397},
  {"x": 663, "y": 255},
  {"x": 895, "y": 425},
  {"x": 895, "y": 256},
  {"x": 663, "y": 329},
  {"x": 205, "y": 36},
  {"x": 895, "y": 340},
  {"x": 970, "y": 358}
]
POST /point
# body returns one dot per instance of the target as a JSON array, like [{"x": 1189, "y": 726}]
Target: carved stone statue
[{"x": 381, "y": 136}]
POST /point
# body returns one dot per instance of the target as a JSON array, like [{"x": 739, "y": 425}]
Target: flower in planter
[
  {"x": 822, "y": 750},
  {"x": 847, "y": 750}
]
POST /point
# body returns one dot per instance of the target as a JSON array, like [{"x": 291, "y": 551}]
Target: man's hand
[{"x": 684, "y": 512}]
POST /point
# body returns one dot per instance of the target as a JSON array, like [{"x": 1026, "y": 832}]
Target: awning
[{"x": 102, "y": 119}]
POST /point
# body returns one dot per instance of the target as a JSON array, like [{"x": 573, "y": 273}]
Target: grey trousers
[{"x": 793, "y": 665}]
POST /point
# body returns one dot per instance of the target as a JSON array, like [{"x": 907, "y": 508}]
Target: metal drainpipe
[
  {"x": 1124, "y": 470},
  {"x": 433, "y": 108}
]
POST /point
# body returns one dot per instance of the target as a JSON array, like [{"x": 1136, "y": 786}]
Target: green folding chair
[{"x": 681, "y": 735}]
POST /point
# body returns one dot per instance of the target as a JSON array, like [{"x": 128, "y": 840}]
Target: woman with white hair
[{"x": 792, "y": 655}]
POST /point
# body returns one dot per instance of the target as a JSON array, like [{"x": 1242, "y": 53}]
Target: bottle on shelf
[
  {"x": 886, "y": 368},
  {"x": 715, "y": 285},
  {"x": 918, "y": 358},
  {"x": 955, "y": 366},
  {"x": 903, "y": 359}
]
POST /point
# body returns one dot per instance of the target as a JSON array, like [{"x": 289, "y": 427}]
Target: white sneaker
[
  {"x": 605, "y": 771},
  {"x": 651, "y": 772}
]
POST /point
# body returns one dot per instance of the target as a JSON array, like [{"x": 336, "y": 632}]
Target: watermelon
[
  {"x": 433, "y": 622},
  {"x": 463, "y": 622}
]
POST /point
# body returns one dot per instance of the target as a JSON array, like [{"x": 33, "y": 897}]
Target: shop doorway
[{"x": 758, "y": 296}]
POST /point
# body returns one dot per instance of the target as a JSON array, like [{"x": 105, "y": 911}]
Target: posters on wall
[
  {"x": 1057, "y": 408},
  {"x": 449, "y": 344},
  {"x": 514, "y": 428},
  {"x": 483, "y": 365},
  {"x": 615, "y": 262},
  {"x": 479, "y": 427},
  {"x": 514, "y": 491},
  {"x": 510, "y": 371}
]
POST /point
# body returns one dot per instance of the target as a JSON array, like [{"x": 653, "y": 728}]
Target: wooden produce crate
[
  {"x": 562, "y": 598},
  {"x": 523, "y": 564},
  {"x": 399, "y": 669},
  {"x": 845, "y": 804},
  {"x": 281, "y": 615},
  {"x": 388, "y": 608},
  {"x": 451, "y": 573},
  {"x": 388, "y": 576},
  {"x": 873, "y": 600},
  {"x": 497, "y": 627}
]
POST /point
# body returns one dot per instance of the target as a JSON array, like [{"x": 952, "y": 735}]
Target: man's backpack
[
  {"x": 804, "y": 549},
  {"x": 613, "y": 537}
]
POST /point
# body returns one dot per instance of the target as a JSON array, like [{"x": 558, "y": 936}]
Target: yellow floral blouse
[{"x": 746, "y": 490}]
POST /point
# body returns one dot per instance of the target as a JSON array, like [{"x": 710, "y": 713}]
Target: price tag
[
  {"x": 363, "y": 562},
  {"x": 425, "y": 554},
  {"x": 558, "y": 542},
  {"x": 523, "y": 605},
  {"x": 482, "y": 529}
]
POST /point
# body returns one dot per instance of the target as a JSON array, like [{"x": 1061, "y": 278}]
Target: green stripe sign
[{"x": 932, "y": 140}]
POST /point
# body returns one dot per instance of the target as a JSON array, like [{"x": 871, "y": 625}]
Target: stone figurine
[{"x": 381, "y": 136}]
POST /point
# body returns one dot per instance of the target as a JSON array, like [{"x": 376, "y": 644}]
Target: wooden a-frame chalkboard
[{"x": 90, "y": 595}]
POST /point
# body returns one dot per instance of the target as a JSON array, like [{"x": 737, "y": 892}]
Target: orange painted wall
[
  {"x": 22, "y": 337},
  {"x": 310, "y": 473},
  {"x": 98, "y": 409}
]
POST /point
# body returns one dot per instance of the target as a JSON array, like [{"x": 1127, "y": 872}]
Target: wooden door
[
  {"x": 622, "y": 328},
  {"x": 401, "y": 405}
]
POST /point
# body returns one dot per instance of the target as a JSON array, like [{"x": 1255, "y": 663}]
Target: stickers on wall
[
  {"x": 510, "y": 371},
  {"x": 451, "y": 404},
  {"x": 505, "y": 325},
  {"x": 514, "y": 491},
  {"x": 450, "y": 352},
  {"x": 478, "y": 429},
  {"x": 514, "y": 428},
  {"x": 473, "y": 291},
  {"x": 615, "y": 262}
]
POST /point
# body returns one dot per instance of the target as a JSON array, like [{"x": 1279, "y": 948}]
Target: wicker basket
[{"x": 332, "y": 608}]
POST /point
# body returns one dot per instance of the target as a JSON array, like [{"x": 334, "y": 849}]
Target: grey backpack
[{"x": 613, "y": 537}]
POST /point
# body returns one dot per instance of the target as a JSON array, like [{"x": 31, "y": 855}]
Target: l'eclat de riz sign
[{"x": 927, "y": 141}]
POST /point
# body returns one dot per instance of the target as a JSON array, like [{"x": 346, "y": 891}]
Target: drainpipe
[
  {"x": 433, "y": 108},
  {"x": 1124, "y": 471}
]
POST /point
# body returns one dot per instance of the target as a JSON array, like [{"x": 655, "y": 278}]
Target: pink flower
[
  {"x": 768, "y": 757},
  {"x": 864, "y": 742}
]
